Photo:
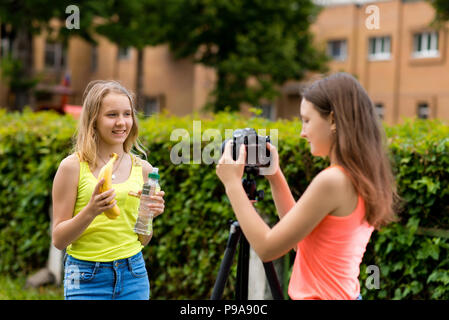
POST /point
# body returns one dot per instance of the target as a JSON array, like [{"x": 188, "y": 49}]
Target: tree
[
  {"x": 134, "y": 23},
  {"x": 254, "y": 46},
  {"x": 127, "y": 23},
  {"x": 27, "y": 18},
  {"x": 442, "y": 10}
]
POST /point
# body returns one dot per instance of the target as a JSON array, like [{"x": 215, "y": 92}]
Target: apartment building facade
[
  {"x": 389, "y": 45},
  {"x": 178, "y": 86}
]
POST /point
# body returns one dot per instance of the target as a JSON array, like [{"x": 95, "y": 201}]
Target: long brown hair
[{"x": 360, "y": 143}]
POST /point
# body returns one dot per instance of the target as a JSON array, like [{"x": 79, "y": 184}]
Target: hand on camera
[
  {"x": 228, "y": 170},
  {"x": 270, "y": 171}
]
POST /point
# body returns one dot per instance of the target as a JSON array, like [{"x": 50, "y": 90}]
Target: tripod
[{"x": 235, "y": 236}]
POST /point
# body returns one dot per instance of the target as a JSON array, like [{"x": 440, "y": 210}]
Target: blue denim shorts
[{"x": 124, "y": 279}]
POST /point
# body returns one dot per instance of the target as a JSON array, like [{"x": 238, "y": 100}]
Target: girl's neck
[
  {"x": 105, "y": 151},
  {"x": 332, "y": 159}
]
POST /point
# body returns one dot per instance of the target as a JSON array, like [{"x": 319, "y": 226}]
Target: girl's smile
[{"x": 115, "y": 119}]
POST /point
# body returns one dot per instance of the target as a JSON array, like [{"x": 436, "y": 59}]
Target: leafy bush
[{"x": 190, "y": 237}]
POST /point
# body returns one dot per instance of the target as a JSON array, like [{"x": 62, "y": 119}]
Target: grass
[{"x": 12, "y": 288}]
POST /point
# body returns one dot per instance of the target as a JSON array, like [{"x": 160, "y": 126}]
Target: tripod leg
[
  {"x": 273, "y": 281},
  {"x": 226, "y": 263},
  {"x": 243, "y": 270}
]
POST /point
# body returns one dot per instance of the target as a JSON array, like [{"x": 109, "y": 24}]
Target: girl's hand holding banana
[{"x": 101, "y": 201}]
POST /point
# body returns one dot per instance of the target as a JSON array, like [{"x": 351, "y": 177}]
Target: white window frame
[
  {"x": 343, "y": 49},
  {"x": 382, "y": 48},
  {"x": 423, "y": 115},
  {"x": 431, "y": 47},
  {"x": 4, "y": 47},
  {"x": 268, "y": 111},
  {"x": 124, "y": 53},
  {"x": 380, "y": 110},
  {"x": 151, "y": 105},
  {"x": 59, "y": 60}
]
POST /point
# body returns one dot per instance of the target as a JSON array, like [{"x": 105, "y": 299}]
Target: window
[
  {"x": 380, "y": 110},
  {"x": 4, "y": 47},
  {"x": 152, "y": 105},
  {"x": 425, "y": 45},
  {"x": 337, "y": 49},
  {"x": 124, "y": 53},
  {"x": 423, "y": 110},
  {"x": 55, "y": 55},
  {"x": 267, "y": 111},
  {"x": 5, "y": 40},
  {"x": 379, "y": 48}
]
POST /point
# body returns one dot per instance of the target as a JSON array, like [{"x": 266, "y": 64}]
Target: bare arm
[
  {"x": 144, "y": 239},
  {"x": 301, "y": 219},
  {"x": 282, "y": 195},
  {"x": 67, "y": 228}
]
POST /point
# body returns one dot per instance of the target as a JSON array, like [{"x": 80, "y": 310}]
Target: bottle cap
[{"x": 154, "y": 174}]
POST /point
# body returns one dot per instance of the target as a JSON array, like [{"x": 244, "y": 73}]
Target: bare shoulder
[
  {"x": 339, "y": 190},
  {"x": 332, "y": 179},
  {"x": 65, "y": 185},
  {"x": 335, "y": 184},
  {"x": 69, "y": 165},
  {"x": 67, "y": 175}
]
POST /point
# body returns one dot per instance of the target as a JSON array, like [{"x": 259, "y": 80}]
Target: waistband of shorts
[{"x": 109, "y": 264}]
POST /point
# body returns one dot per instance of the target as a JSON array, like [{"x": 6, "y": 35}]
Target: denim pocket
[
  {"x": 138, "y": 269},
  {"x": 80, "y": 271}
]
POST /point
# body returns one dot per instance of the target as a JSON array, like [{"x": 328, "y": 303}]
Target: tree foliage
[
  {"x": 267, "y": 42},
  {"x": 254, "y": 46},
  {"x": 442, "y": 10}
]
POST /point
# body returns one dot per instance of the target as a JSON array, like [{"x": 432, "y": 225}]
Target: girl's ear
[{"x": 332, "y": 122}]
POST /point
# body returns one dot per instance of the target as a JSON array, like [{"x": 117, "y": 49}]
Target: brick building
[
  {"x": 390, "y": 46},
  {"x": 401, "y": 60}
]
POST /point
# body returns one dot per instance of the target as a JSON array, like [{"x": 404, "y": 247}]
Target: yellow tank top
[{"x": 105, "y": 239}]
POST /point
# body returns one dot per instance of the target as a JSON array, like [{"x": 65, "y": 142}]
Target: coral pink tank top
[{"x": 328, "y": 259}]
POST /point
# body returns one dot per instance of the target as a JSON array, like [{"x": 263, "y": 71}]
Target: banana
[{"x": 106, "y": 173}]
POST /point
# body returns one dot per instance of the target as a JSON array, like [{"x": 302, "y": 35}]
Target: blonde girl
[
  {"x": 331, "y": 224},
  {"x": 104, "y": 259}
]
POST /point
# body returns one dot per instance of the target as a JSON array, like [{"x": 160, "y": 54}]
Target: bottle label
[{"x": 144, "y": 223}]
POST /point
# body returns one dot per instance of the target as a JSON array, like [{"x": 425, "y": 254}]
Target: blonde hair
[{"x": 86, "y": 144}]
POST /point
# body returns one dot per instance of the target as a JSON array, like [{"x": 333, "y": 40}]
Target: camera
[{"x": 257, "y": 153}]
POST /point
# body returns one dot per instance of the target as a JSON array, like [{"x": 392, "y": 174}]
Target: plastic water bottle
[{"x": 144, "y": 223}]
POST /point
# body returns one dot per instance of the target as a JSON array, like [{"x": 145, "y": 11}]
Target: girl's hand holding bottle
[{"x": 157, "y": 204}]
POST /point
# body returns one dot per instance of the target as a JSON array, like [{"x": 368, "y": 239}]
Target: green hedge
[{"x": 190, "y": 237}]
